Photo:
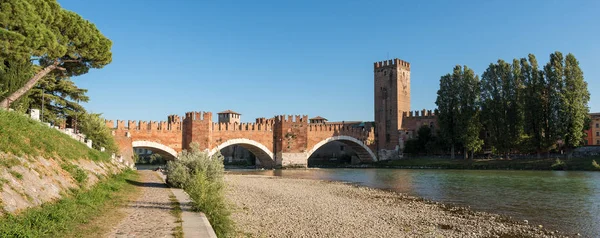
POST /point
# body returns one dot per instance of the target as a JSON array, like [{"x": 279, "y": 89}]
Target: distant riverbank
[
  {"x": 282, "y": 207},
  {"x": 574, "y": 164}
]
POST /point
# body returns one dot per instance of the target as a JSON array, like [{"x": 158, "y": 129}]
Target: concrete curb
[{"x": 195, "y": 224}]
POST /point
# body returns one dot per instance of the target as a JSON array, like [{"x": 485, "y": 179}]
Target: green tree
[
  {"x": 447, "y": 104},
  {"x": 576, "y": 97},
  {"x": 42, "y": 31},
  {"x": 93, "y": 126},
  {"x": 535, "y": 104},
  {"x": 554, "y": 74},
  {"x": 498, "y": 89},
  {"x": 60, "y": 98},
  {"x": 13, "y": 75},
  {"x": 469, "y": 110},
  {"x": 458, "y": 109}
]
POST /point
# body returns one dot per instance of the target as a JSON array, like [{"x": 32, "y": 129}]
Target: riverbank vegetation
[
  {"x": 516, "y": 107},
  {"x": 575, "y": 163},
  {"x": 69, "y": 214},
  {"x": 201, "y": 176},
  {"x": 20, "y": 136}
]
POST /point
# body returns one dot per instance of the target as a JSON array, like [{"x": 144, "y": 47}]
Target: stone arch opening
[
  {"x": 262, "y": 153},
  {"x": 358, "y": 150},
  {"x": 163, "y": 150}
]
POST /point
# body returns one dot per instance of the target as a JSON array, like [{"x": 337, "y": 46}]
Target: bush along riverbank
[
  {"x": 201, "y": 176},
  {"x": 67, "y": 214}
]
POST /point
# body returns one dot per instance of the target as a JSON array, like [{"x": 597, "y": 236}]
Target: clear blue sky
[{"x": 265, "y": 58}]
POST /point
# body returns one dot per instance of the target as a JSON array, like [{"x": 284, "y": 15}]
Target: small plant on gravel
[{"x": 201, "y": 176}]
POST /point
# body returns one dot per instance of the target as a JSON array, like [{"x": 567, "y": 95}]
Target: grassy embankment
[
  {"x": 585, "y": 163},
  {"x": 78, "y": 212},
  {"x": 22, "y": 136},
  {"x": 71, "y": 216}
]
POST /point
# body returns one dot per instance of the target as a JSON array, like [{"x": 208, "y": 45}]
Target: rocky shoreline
[{"x": 266, "y": 206}]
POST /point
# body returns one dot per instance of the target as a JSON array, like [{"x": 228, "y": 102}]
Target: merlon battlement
[
  {"x": 216, "y": 126},
  {"x": 171, "y": 125},
  {"x": 292, "y": 119},
  {"x": 420, "y": 114},
  {"x": 392, "y": 63},
  {"x": 198, "y": 116}
]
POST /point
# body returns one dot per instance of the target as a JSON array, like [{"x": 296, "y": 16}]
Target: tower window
[
  {"x": 597, "y": 133},
  {"x": 384, "y": 73},
  {"x": 341, "y": 147},
  {"x": 387, "y": 138},
  {"x": 597, "y": 125}
]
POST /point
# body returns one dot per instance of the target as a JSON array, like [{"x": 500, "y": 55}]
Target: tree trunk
[
  {"x": 5, "y": 104},
  {"x": 452, "y": 152},
  {"x": 466, "y": 154}
]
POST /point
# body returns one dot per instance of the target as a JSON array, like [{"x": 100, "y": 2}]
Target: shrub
[
  {"x": 94, "y": 127},
  {"x": 559, "y": 164},
  {"x": 595, "y": 165},
  {"x": 201, "y": 176}
]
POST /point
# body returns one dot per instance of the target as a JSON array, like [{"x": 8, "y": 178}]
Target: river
[{"x": 558, "y": 200}]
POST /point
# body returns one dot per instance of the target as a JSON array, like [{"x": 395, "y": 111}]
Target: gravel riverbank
[{"x": 283, "y": 207}]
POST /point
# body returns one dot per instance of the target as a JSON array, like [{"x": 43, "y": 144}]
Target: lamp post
[{"x": 42, "y": 116}]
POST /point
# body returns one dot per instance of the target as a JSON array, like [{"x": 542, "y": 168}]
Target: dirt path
[{"x": 151, "y": 214}]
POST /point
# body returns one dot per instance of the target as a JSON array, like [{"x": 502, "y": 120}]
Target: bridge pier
[{"x": 292, "y": 160}]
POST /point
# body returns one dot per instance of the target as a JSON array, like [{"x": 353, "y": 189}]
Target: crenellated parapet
[
  {"x": 216, "y": 126},
  {"x": 198, "y": 116},
  {"x": 263, "y": 120},
  {"x": 291, "y": 119},
  {"x": 393, "y": 63},
  {"x": 150, "y": 126},
  {"x": 420, "y": 114}
]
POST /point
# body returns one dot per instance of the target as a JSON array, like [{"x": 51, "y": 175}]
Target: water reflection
[{"x": 566, "y": 201}]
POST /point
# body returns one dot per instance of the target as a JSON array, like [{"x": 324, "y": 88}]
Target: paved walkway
[{"x": 150, "y": 215}]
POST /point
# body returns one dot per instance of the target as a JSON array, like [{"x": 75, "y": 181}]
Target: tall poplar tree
[
  {"x": 458, "y": 109},
  {"x": 535, "y": 104},
  {"x": 493, "y": 105},
  {"x": 554, "y": 74},
  {"x": 576, "y": 97},
  {"x": 469, "y": 126},
  {"x": 447, "y": 102},
  {"x": 514, "y": 98}
]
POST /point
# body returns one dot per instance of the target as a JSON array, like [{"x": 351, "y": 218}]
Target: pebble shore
[{"x": 266, "y": 206}]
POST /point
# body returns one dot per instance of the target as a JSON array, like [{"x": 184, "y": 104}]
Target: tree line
[
  {"x": 42, "y": 46},
  {"x": 515, "y": 106}
]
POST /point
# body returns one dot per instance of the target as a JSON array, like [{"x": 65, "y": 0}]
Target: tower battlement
[
  {"x": 198, "y": 116},
  {"x": 392, "y": 63}
]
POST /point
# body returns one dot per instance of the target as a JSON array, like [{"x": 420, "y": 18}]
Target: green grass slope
[{"x": 20, "y": 135}]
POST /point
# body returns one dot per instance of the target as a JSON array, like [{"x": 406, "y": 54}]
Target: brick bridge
[{"x": 282, "y": 141}]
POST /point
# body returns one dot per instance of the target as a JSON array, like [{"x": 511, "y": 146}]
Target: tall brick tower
[{"x": 392, "y": 97}]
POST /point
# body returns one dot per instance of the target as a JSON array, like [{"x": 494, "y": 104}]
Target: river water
[{"x": 558, "y": 200}]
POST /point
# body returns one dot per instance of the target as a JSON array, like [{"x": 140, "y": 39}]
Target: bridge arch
[
  {"x": 163, "y": 149},
  {"x": 262, "y": 153},
  {"x": 364, "y": 153}
]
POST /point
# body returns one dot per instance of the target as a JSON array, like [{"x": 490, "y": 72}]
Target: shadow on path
[{"x": 147, "y": 184}]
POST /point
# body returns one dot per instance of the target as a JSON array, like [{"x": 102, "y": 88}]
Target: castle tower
[
  {"x": 229, "y": 116},
  {"x": 392, "y": 98}
]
